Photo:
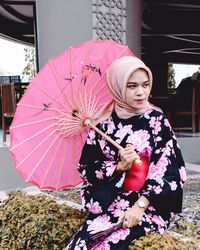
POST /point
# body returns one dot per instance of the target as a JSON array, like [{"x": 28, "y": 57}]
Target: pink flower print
[
  {"x": 91, "y": 137},
  {"x": 117, "y": 212},
  {"x": 151, "y": 208},
  {"x": 83, "y": 200},
  {"x": 157, "y": 151},
  {"x": 99, "y": 224},
  {"x": 102, "y": 143},
  {"x": 107, "y": 153},
  {"x": 118, "y": 235},
  {"x": 157, "y": 189},
  {"x": 122, "y": 204},
  {"x": 173, "y": 185},
  {"x": 155, "y": 124},
  {"x": 102, "y": 246},
  {"x": 94, "y": 207},
  {"x": 99, "y": 174},
  {"x": 157, "y": 171},
  {"x": 112, "y": 152},
  {"x": 147, "y": 230},
  {"x": 112, "y": 207},
  {"x": 92, "y": 134},
  {"x": 166, "y": 122},
  {"x": 121, "y": 133},
  {"x": 81, "y": 245},
  {"x": 147, "y": 218},
  {"x": 150, "y": 187},
  {"x": 146, "y": 152},
  {"x": 158, "y": 138},
  {"x": 161, "y": 230},
  {"x": 139, "y": 139},
  {"x": 110, "y": 167},
  {"x": 158, "y": 220},
  {"x": 169, "y": 147},
  {"x": 183, "y": 174},
  {"x": 111, "y": 127}
]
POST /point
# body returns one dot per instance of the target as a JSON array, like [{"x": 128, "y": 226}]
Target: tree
[
  {"x": 29, "y": 70},
  {"x": 171, "y": 77}
]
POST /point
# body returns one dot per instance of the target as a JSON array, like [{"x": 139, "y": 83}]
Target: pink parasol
[{"x": 52, "y": 118}]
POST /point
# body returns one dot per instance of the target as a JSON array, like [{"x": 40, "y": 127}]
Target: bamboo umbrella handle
[{"x": 88, "y": 123}]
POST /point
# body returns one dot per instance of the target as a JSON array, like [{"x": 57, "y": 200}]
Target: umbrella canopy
[{"x": 47, "y": 132}]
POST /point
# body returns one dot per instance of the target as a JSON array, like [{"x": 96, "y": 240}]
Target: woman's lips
[{"x": 139, "y": 100}]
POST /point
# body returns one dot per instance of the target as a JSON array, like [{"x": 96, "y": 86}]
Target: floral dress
[{"x": 102, "y": 192}]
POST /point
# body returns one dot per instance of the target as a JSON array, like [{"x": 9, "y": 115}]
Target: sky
[{"x": 12, "y": 57}]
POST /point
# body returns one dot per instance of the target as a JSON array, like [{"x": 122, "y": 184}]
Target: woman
[{"x": 141, "y": 129}]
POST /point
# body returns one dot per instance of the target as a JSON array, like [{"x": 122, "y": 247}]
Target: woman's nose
[{"x": 139, "y": 90}]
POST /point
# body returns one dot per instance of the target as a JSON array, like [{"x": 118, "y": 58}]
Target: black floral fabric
[{"x": 102, "y": 192}]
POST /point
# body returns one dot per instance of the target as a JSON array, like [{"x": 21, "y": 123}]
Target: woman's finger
[{"x": 121, "y": 218}]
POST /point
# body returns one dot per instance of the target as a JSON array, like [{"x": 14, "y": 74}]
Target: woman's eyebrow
[{"x": 128, "y": 83}]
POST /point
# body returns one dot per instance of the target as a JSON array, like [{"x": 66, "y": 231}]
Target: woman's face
[{"x": 137, "y": 89}]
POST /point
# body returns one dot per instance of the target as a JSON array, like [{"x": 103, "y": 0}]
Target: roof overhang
[{"x": 17, "y": 19}]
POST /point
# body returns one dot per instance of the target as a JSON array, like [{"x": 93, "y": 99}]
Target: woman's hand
[
  {"x": 127, "y": 156},
  {"x": 133, "y": 216}
]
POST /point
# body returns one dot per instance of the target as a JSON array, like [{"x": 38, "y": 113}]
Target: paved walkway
[{"x": 193, "y": 170}]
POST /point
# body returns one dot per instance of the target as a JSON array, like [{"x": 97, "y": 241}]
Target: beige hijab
[{"x": 118, "y": 75}]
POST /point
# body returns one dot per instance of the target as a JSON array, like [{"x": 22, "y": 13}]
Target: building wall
[{"x": 63, "y": 23}]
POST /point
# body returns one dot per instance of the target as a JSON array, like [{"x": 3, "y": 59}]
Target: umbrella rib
[
  {"x": 47, "y": 93},
  {"x": 92, "y": 105},
  {"x": 87, "y": 103},
  {"x": 32, "y": 123},
  {"x": 43, "y": 90},
  {"x": 70, "y": 131},
  {"x": 77, "y": 103},
  {"x": 39, "y": 107},
  {"x": 30, "y": 138},
  {"x": 68, "y": 125},
  {"x": 56, "y": 76},
  {"x": 93, "y": 102},
  {"x": 51, "y": 163},
  {"x": 82, "y": 106},
  {"x": 34, "y": 149},
  {"x": 62, "y": 165},
  {"x": 45, "y": 153}
]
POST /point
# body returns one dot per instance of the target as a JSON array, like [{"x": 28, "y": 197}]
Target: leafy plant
[
  {"x": 37, "y": 222},
  {"x": 156, "y": 241}
]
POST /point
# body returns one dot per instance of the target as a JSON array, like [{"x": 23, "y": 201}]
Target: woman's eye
[
  {"x": 132, "y": 86},
  {"x": 145, "y": 85}
]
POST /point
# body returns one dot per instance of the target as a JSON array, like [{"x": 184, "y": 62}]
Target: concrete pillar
[
  {"x": 134, "y": 25},
  {"x": 61, "y": 24}
]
